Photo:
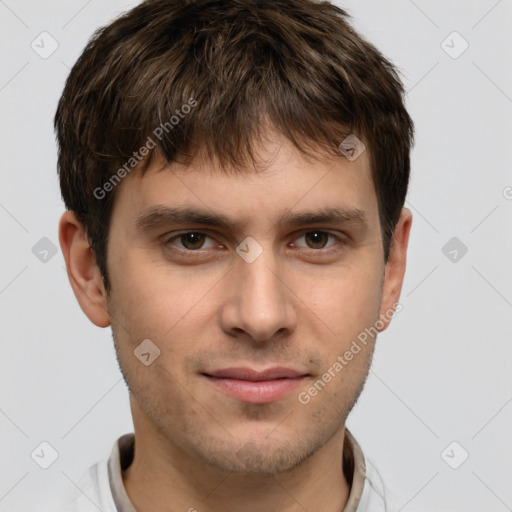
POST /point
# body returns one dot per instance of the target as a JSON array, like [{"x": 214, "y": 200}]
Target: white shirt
[{"x": 101, "y": 486}]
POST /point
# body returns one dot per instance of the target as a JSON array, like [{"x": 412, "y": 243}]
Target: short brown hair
[{"x": 297, "y": 65}]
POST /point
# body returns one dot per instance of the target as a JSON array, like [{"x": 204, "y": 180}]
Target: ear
[
  {"x": 83, "y": 273},
  {"x": 395, "y": 268}
]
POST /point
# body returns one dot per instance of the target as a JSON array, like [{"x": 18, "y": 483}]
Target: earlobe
[
  {"x": 83, "y": 273},
  {"x": 395, "y": 268}
]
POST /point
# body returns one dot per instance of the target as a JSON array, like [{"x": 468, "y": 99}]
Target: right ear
[{"x": 83, "y": 272}]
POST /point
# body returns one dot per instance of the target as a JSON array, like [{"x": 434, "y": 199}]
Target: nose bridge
[
  {"x": 263, "y": 288},
  {"x": 260, "y": 304}
]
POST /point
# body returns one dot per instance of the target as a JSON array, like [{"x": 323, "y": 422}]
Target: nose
[{"x": 259, "y": 304}]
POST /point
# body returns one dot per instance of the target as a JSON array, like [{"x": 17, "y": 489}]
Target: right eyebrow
[{"x": 158, "y": 215}]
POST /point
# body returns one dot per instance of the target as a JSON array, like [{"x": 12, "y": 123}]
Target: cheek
[
  {"x": 346, "y": 302},
  {"x": 153, "y": 299}
]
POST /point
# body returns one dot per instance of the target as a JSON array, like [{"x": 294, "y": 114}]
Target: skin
[{"x": 300, "y": 304}]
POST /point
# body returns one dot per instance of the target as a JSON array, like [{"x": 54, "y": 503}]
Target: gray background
[{"x": 441, "y": 372}]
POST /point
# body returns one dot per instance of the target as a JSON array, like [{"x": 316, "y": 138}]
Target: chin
[{"x": 265, "y": 457}]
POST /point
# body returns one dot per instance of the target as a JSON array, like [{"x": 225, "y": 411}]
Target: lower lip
[{"x": 256, "y": 392}]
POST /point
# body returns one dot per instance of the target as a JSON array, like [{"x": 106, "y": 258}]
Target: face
[{"x": 249, "y": 313}]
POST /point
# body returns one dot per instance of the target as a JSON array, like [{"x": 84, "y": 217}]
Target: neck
[{"x": 162, "y": 474}]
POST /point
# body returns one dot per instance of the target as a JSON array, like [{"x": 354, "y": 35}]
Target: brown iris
[
  {"x": 318, "y": 239},
  {"x": 192, "y": 240}
]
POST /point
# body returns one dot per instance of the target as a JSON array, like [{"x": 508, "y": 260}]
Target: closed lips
[
  {"x": 255, "y": 376},
  {"x": 253, "y": 386}
]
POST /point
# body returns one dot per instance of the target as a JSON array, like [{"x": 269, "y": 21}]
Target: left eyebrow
[
  {"x": 161, "y": 215},
  {"x": 324, "y": 216}
]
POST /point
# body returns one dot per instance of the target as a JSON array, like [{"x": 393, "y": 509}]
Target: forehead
[{"x": 283, "y": 184}]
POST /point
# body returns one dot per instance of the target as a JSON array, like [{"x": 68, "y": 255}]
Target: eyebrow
[{"x": 161, "y": 215}]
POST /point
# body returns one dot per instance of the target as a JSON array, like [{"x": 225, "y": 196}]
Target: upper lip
[{"x": 254, "y": 375}]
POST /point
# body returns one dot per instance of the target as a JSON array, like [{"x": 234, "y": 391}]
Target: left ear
[{"x": 395, "y": 268}]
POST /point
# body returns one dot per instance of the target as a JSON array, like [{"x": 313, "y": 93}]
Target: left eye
[{"x": 317, "y": 239}]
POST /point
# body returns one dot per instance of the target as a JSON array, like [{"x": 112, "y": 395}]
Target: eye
[
  {"x": 195, "y": 241},
  {"x": 190, "y": 240},
  {"x": 317, "y": 239}
]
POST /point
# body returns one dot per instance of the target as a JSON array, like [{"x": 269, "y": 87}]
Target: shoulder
[
  {"x": 376, "y": 497},
  {"x": 368, "y": 490}
]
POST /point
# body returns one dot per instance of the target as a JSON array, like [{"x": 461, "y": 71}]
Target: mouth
[{"x": 257, "y": 387}]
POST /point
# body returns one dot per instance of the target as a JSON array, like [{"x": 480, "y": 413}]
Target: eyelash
[{"x": 190, "y": 252}]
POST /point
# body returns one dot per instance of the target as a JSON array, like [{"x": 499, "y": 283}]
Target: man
[{"x": 234, "y": 174}]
